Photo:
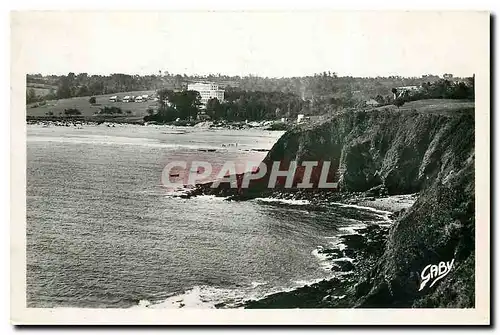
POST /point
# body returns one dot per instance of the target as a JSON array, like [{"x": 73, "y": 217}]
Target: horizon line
[{"x": 46, "y": 74}]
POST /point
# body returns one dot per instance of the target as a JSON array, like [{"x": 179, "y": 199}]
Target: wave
[
  {"x": 322, "y": 258},
  {"x": 205, "y": 197},
  {"x": 111, "y": 140},
  {"x": 371, "y": 209},
  {"x": 383, "y": 215},
  {"x": 284, "y": 201},
  {"x": 257, "y": 284},
  {"x": 210, "y": 297}
]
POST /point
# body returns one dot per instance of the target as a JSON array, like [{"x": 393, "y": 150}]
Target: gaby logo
[{"x": 435, "y": 272}]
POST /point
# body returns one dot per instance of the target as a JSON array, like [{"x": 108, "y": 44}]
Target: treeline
[
  {"x": 240, "y": 105},
  {"x": 317, "y": 86},
  {"x": 82, "y": 85},
  {"x": 446, "y": 89},
  {"x": 440, "y": 89}
]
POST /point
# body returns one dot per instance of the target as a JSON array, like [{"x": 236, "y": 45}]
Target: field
[
  {"x": 438, "y": 106},
  {"x": 57, "y": 107},
  {"x": 41, "y": 89}
]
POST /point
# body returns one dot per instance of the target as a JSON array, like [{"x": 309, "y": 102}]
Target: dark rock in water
[
  {"x": 369, "y": 229},
  {"x": 332, "y": 253},
  {"x": 344, "y": 266},
  {"x": 351, "y": 253},
  {"x": 353, "y": 241}
]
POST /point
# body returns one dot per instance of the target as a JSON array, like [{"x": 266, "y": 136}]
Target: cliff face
[{"x": 429, "y": 152}]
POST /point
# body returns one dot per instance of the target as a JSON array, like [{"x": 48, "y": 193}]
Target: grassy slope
[
  {"x": 439, "y": 106},
  {"x": 138, "y": 109},
  {"x": 41, "y": 89}
]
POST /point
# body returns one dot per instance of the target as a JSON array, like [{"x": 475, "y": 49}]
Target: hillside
[{"x": 57, "y": 107}]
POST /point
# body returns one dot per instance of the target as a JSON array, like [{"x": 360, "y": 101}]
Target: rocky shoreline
[
  {"x": 351, "y": 263},
  {"x": 351, "y": 259},
  {"x": 112, "y": 122}
]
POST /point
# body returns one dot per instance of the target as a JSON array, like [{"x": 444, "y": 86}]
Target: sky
[{"x": 273, "y": 44}]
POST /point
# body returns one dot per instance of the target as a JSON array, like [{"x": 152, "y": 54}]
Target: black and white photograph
[{"x": 221, "y": 162}]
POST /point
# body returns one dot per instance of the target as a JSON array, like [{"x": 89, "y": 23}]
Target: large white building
[{"x": 207, "y": 91}]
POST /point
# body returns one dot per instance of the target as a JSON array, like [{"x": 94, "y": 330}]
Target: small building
[
  {"x": 405, "y": 91},
  {"x": 300, "y": 118},
  {"x": 372, "y": 103}
]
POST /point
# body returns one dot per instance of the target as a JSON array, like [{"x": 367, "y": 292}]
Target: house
[
  {"x": 372, "y": 103},
  {"x": 302, "y": 118},
  {"x": 405, "y": 90}
]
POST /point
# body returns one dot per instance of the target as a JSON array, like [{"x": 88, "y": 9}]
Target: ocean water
[{"x": 103, "y": 231}]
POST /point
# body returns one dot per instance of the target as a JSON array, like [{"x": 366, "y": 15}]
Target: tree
[
  {"x": 31, "y": 96},
  {"x": 395, "y": 92},
  {"x": 93, "y": 100},
  {"x": 380, "y": 99},
  {"x": 186, "y": 103},
  {"x": 64, "y": 89},
  {"x": 214, "y": 109},
  {"x": 164, "y": 96},
  {"x": 399, "y": 102}
]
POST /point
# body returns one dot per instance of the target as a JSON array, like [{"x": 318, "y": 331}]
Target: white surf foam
[
  {"x": 109, "y": 140},
  {"x": 205, "y": 197},
  {"x": 352, "y": 229},
  {"x": 199, "y": 297},
  {"x": 285, "y": 201},
  {"x": 371, "y": 209},
  {"x": 383, "y": 215},
  {"x": 257, "y": 284}
]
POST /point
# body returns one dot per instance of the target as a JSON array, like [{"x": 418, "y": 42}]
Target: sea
[{"x": 103, "y": 231}]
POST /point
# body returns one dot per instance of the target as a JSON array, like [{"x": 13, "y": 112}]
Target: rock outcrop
[{"x": 429, "y": 152}]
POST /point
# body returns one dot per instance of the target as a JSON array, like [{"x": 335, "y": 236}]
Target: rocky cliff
[{"x": 430, "y": 151}]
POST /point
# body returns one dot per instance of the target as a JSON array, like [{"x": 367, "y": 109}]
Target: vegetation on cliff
[{"x": 430, "y": 151}]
